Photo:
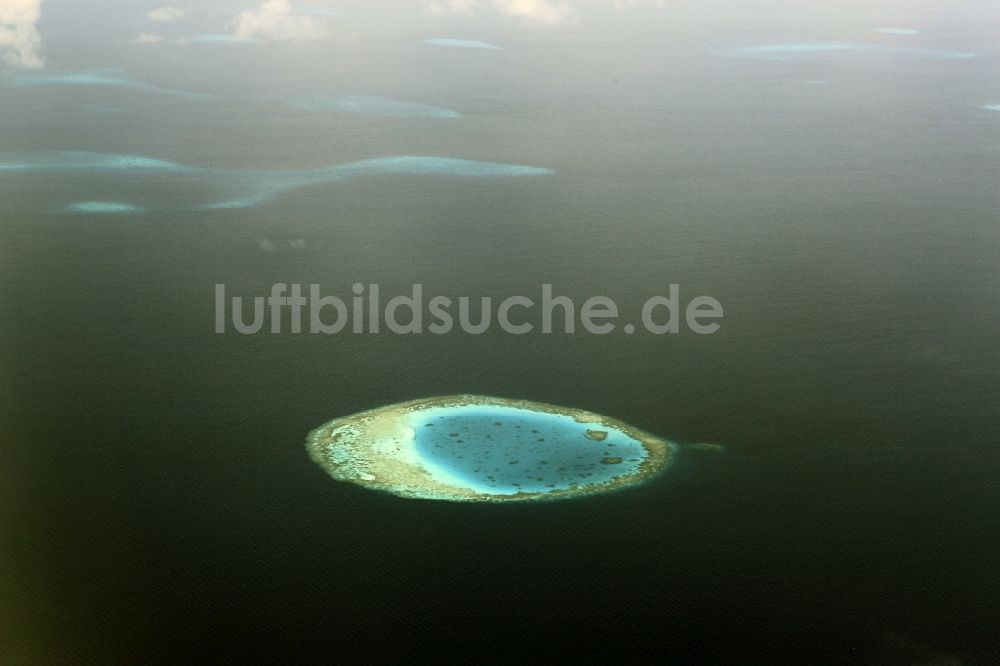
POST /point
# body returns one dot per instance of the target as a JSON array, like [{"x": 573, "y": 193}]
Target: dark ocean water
[{"x": 161, "y": 502}]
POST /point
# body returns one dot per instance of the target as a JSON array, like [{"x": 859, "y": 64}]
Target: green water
[{"x": 155, "y": 483}]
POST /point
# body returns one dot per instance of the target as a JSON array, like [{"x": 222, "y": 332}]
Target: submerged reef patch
[
  {"x": 104, "y": 78},
  {"x": 245, "y": 188},
  {"x": 268, "y": 185},
  {"x": 462, "y": 43},
  {"x": 897, "y": 31},
  {"x": 372, "y": 106},
  {"x": 221, "y": 38},
  {"x": 469, "y": 448},
  {"x": 87, "y": 161},
  {"x": 804, "y": 51},
  {"x": 103, "y": 207}
]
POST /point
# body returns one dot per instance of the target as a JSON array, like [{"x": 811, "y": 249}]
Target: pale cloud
[
  {"x": 147, "y": 38},
  {"x": 166, "y": 14},
  {"x": 459, "y": 7},
  {"x": 274, "y": 21},
  {"x": 628, "y": 4},
  {"x": 548, "y": 12},
  {"x": 537, "y": 11},
  {"x": 20, "y": 43}
]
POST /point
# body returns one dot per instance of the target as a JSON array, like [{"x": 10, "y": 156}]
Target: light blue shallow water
[{"x": 508, "y": 450}]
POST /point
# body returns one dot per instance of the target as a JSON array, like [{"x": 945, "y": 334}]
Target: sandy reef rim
[{"x": 376, "y": 449}]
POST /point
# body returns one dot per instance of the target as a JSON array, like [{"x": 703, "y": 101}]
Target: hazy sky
[{"x": 33, "y": 32}]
